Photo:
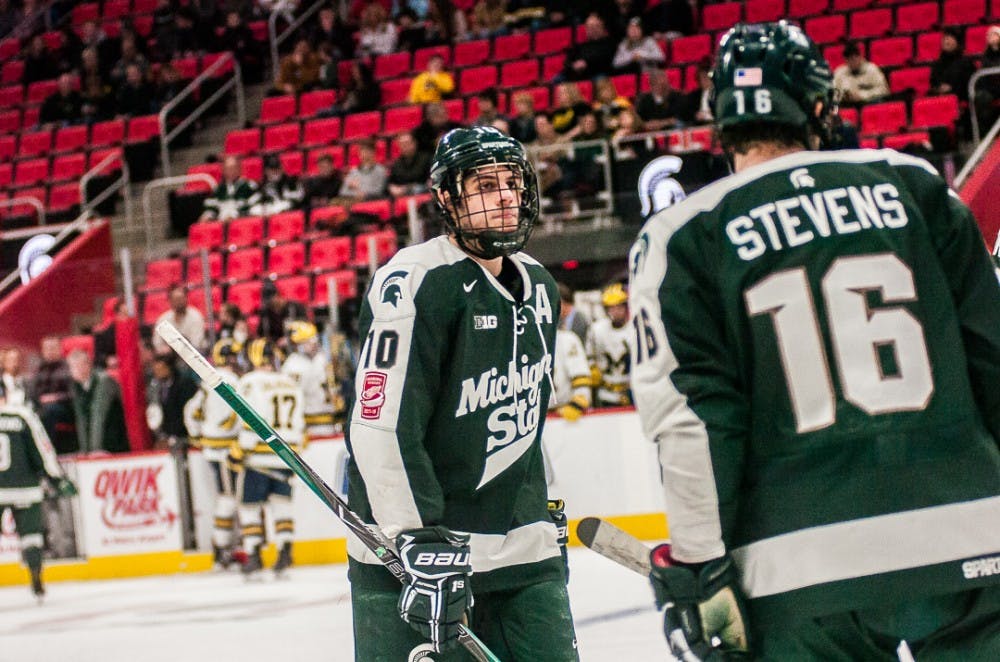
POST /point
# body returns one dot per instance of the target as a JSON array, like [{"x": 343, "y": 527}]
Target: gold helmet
[
  {"x": 300, "y": 331},
  {"x": 225, "y": 350},
  {"x": 262, "y": 352},
  {"x": 614, "y": 295}
]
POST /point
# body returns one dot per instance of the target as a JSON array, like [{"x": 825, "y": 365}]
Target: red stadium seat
[
  {"x": 68, "y": 166},
  {"x": 540, "y": 96},
  {"x": 277, "y": 109},
  {"x": 870, "y": 23},
  {"x": 9, "y": 48},
  {"x": 107, "y": 134},
  {"x": 963, "y": 12},
  {"x": 553, "y": 40},
  {"x": 402, "y": 118},
  {"x": 327, "y": 217},
  {"x": 143, "y": 128},
  {"x": 187, "y": 67},
  {"x": 245, "y": 231},
  {"x": 286, "y": 259},
  {"x": 294, "y": 288},
  {"x": 392, "y": 65},
  {"x": 246, "y": 296},
  {"x": 330, "y": 253},
  {"x": 154, "y": 304},
  {"x": 321, "y": 132},
  {"x": 975, "y": 39},
  {"x": 6, "y": 175},
  {"x": 8, "y": 147},
  {"x": 161, "y": 274},
  {"x": 39, "y": 91},
  {"x": 881, "y": 118},
  {"x": 759, "y": 11},
  {"x": 470, "y": 53},
  {"x": 143, "y": 24},
  {"x": 689, "y": 50},
  {"x": 70, "y": 344},
  {"x": 891, "y": 51},
  {"x": 422, "y": 55},
  {"x": 193, "y": 270},
  {"x": 143, "y": 6},
  {"x": 196, "y": 298},
  {"x": 806, "y": 8},
  {"x": 477, "y": 79},
  {"x": 511, "y": 47},
  {"x": 552, "y": 65},
  {"x": 345, "y": 285},
  {"x": 626, "y": 85},
  {"x": 115, "y": 9},
  {"x": 12, "y": 72},
  {"x": 848, "y": 5},
  {"x": 205, "y": 234},
  {"x": 71, "y": 138},
  {"x": 212, "y": 169},
  {"x": 11, "y": 96},
  {"x": 292, "y": 162},
  {"x": 30, "y": 117},
  {"x": 311, "y": 103},
  {"x": 362, "y": 125},
  {"x": 31, "y": 172},
  {"x": 335, "y": 152},
  {"x": 35, "y": 143},
  {"x": 354, "y": 153},
  {"x": 252, "y": 167},
  {"x": 210, "y": 59},
  {"x": 917, "y": 79},
  {"x": 918, "y": 17},
  {"x": 242, "y": 141},
  {"x": 245, "y": 264},
  {"x": 456, "y": 110},
  {"x": 928, "y": 46},
  {"x": 902, "y": 140},
  {"x": 280, "y": 137},
  {"x": 10, "y": 121},
  {"x": 385, "y": 246},
  {"x": 395, "y": 91},
  {"x": 935, "y": 111},
  {"x": 286, "y": 226},
  {"x": 401, "y": 206},
  {"x": 849, "y": 115},
  {"x": 27, "y": 210},
  {"x": 721, "y": 16},
  {"x": 380, "y": 208},
  {"x": 520, "y": 73},
  {"x": 88, "y": 11},
  {"x": 64, "y": 197},
  {"x": 827, "y": 29}
]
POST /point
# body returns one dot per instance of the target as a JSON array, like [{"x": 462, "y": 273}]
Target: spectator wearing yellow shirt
[{"x": 433, "y": 84}]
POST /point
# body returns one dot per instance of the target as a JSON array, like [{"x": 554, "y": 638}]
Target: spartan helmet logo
[
  {"x": 391, "y": 292},
  {"x": 657, "y": 187}
]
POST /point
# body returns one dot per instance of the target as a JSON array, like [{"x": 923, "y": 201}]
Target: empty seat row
[
  {"x": 28, "y": 172},
  {"x": 55, "y": 199},
  {"x": 893, "y": 117},
  {"x": 80, "y": 137}
]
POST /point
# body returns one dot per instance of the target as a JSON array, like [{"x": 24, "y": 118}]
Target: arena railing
[
  {"x": 976, "y": 77},
  {"x": 123, "y": 184},
  {"x": 282, "y": 10},
  {"x": 167, "y": 182},
  {"x": 235, "y": 81},
  {"x": 26, "y": 200}
]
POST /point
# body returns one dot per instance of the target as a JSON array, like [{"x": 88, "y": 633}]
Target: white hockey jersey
[
  {"x": 608, "y": 349},
  {"x": 570, "y": 371},
  {"x": 279, "y": 400},
  {"x": 211, "y": 423},
  {"x": 310, "y": 373}
]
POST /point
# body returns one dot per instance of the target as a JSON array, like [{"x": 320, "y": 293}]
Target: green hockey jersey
[
  {"x": 26, "y": 454},
  {"x": 818, "y": 356},
  {"x": 452, "y": 388}
]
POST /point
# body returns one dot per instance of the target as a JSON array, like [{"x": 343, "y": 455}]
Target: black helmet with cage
[{"x": 460, "y": 154}]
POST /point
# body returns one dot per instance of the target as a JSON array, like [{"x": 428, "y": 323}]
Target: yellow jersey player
[
  {"x": 307, "y": 365},
  {"x": 571, "y": 378},
  {"x": 607, "y": 348}
]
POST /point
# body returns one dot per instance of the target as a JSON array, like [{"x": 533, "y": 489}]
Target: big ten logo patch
[
  {"x": 132, "y": 498},
  {"x": 372, "y": 394},
  {"x": 484, "y": 321}
]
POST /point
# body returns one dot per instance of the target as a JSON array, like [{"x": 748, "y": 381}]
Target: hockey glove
[
  {"x": 573, "y": 410},
  {"x": 558, "y": 516},
  {"x": 65, "y": 487},
  {"x": 438, "y": 596},
  {"x": 701, "y": 603}
]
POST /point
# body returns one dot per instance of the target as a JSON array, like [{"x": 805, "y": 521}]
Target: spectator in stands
[
  {"x": 275, "y": 312},
  {"x": 408, "y": 174},
  {"x": 278, "y": 191},
  {"x": 179, "y": 38},
  {"x": 570, "y": 318},
  {"x": 299, "y": 70},
  {"x": 608, "y": 103},
  {"x": 445, "y": 24},
  {"x": 409, "y": 31},
  {"x": 38, "y": 62},
  {"x": 587, "y": 172},
  {"x": 356, "y": 9},
  {"x": 10, "y": 17},
  {"x": 550, "y": 162},
  {"x": 988, "y": 90},
  {"x": 669, "y": 19},
  {"x": 92, "y": 36},
  {"x": 378, "y": 34},
  {"x": 12, "y": 377},
  {"x": 105, "y": 341},
  {"x": 50, "y": 392},
  {"x": 593, "y": 56},
  {"x": 237, "y": 37},
  {"x": 334, "y": 42},
  {"x": 169, "y": 390},
  {"x": 487, "y": 105},
  {"x": 130, "y": 56},
  {"x": 435, "y": 124},
  {"x": 368, "y": 179},
  {"x": 64, "y": 106},
  {"x": 636, "y": 51},
  {"x": 568, "y": 106},
  {"x": 230, "y": 316},
  {"x": 433, "y": 84},
  {"x": 951, "y": 72},
  {"x": 857, "y": 80},
  {"x": 629, "y": 124},
  {"x": 186, "y": 318},
  {"x": 135, "y": 96},
  {"x": 360, "y": 95},
  {"x": 696, "y": 108},
  {"x": 97, "y": 406},
  {"x": 661, "y": 106},
  {"x": 167, "y": 87},
  {"x": 522, "y": 123},
  {"x": 488, "y": 19},
  {"x": 325, "y": 186},
  {"x": 95, "y": 89},
  {"x": 234, "y": 195}
]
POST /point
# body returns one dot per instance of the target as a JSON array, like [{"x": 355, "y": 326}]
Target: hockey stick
[
  {"x": 371, "y": 536},
  {"x": 613, "y": 543}
]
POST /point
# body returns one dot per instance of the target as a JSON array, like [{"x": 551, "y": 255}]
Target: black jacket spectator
[
  {"x": 135, "y": 96},
  {"x": 38, "y": 62},
  {"x": 325, "y": 186},
  {"x": 275, "y": 310},
  {"x": 170, "y": 388},
  {"x": 436, "y": 123},
  {"x": 592, "y": 57},
  {"x": 63, "y": 107},
  {"x": 951, "y": 72},
  {"x": 408, "y": 173},
  {"x": 662, "y": 105}
]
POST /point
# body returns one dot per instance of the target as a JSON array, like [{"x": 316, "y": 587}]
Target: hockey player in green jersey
[
  {"x": 26, "y": 456},
  {"x": 452, "y": 387},
  {"x": 818, "y": 357}
]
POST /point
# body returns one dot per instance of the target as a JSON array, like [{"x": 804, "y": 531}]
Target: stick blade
[{"x": 613, "y": 543}]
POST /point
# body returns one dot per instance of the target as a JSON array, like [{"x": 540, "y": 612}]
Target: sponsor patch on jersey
[
  {"x": 372, "y": 394},
  {"x": 391, "y": 292},
  {"x": 484, "y": 321},
  {"x": 987, "y": 566},
  {"x": 748, "y": 77}
]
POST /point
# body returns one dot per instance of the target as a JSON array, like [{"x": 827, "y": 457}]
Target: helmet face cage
[{"x": 474, "y": 172}]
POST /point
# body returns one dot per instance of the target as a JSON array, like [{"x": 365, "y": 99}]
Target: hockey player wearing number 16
[
  {"x": 817, "y": 356},
  {"x": 452, "y": 387}
]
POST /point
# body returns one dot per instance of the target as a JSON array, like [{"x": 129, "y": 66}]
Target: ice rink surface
[{"x": 306, "y": 616}]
